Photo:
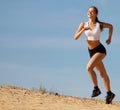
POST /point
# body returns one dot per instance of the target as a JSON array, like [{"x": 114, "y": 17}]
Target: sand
[{"x": 18, "y": 98}]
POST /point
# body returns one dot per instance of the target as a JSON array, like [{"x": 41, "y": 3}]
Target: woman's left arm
[{"x": 110, "y": 27}]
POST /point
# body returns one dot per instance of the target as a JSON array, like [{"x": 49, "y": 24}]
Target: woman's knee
[
  {"x": 89, "y": 68},
  {"x": 104, "y": 75}
]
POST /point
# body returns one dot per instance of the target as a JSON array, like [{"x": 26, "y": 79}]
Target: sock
[
  {"x": 96, "y": 88},
  {"x": 109, "y": 92}
]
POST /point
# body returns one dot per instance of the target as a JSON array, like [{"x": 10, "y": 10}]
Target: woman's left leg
[{"x": 110, "y": 95}]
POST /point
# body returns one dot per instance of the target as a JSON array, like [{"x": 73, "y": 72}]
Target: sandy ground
[{"x": 16, "y": 98}]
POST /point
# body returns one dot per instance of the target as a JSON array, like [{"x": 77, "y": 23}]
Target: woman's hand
[
  {"x": 108, "y": 41},
  {"x": 86, "y": 28}
]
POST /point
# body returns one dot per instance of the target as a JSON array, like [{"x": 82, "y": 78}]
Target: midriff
[{"x": 92, "y": 44}]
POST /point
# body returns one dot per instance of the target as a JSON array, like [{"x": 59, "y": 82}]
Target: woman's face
[{"x": 91, "y": 13}]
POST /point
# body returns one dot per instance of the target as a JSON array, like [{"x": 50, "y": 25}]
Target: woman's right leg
[
  {"x": 106, "y": 81},
  {"x": 95, "y": 59}
]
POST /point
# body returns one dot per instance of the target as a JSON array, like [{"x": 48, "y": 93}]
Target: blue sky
[{"x": 37, "y": 45}]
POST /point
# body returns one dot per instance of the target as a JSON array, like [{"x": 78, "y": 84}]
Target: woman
[{"x": 97, "y": 51}]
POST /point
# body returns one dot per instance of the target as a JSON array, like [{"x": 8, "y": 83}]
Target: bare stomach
[{"x": 92, "y": 44}]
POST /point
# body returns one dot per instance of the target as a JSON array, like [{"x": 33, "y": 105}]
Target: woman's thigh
[
  {"x": 95, "y": 60},
  {"x": 100, "y": 68}
]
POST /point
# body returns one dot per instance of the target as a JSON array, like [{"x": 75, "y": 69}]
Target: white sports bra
[{"x": 93, "y": 35}]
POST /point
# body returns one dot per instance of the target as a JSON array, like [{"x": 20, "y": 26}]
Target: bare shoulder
[{"x": 106, "y": 25}]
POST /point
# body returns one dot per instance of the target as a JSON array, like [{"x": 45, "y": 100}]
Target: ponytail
[{"x": 101, "y": 26}]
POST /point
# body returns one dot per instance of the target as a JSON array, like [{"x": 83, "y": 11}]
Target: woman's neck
[{"x": 92, "y": 21}]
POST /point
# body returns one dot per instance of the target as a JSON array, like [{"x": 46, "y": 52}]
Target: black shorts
[{"x": 99, "y": 49}]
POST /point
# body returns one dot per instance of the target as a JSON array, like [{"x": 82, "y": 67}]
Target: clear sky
[{"x": 37, "y": 45}]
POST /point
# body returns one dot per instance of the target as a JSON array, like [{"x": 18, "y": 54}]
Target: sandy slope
[{"x": 16, "y": 98}]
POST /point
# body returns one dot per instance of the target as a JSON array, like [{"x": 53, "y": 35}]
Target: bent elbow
[{"x": 75, "y": 37}]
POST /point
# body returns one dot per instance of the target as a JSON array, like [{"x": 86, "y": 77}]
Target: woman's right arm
[{"x": 79, "y": 31}]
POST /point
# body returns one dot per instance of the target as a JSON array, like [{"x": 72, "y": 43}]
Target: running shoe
[
  {"x": 96, "y": 92},
  {"x": 109, "y": 98}
]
